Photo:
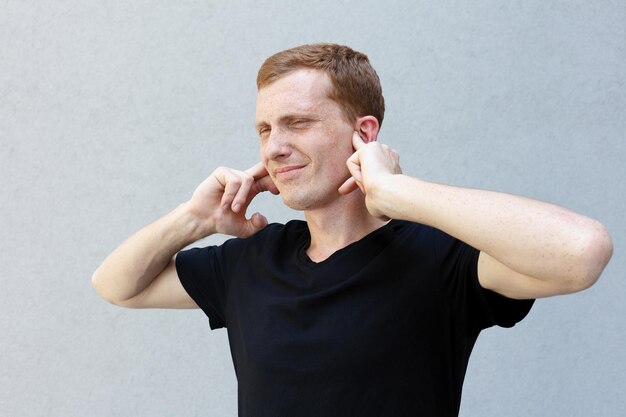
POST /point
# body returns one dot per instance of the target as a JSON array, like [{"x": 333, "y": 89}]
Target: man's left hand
[{"x": 370, "y": 166}]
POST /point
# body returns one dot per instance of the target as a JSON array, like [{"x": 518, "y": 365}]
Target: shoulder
[
  {"x": 429, "y": 244},
  {"x": 419, "y": 233}
]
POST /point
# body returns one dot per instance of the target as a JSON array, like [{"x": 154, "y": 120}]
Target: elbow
[
  {"x": 103, "y": 290},
  {"x": 98, "y": 285},
  {"x": 595, "y": 253}
]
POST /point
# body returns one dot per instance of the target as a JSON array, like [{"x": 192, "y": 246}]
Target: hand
[
  {"x": 369, "y": 166},
  {"x": 220, "y": 202}
]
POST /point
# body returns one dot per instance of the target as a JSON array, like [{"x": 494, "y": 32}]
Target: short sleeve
[
  {"x": 482, "y": 307},
  {"x": 505, "y": 312},
  {"x": 200, "y": 274}
]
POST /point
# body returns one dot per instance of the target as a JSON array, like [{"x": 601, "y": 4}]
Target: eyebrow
[{"x": 258, "y": 126}]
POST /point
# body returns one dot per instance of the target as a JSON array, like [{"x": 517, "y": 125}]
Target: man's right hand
[
  {"x": 220, "y": 202},
  {"x": 141, "y": 272}
]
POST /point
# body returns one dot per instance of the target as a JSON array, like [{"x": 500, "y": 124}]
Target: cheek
[
  {"x": 344, "y": 151},
  {"x": 337, "y": 160},
  {"x": 262, "y": 156},
  {"x": 339, "y": 142}
]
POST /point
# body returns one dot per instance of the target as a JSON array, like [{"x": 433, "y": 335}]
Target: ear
[{"x": 368, "y": 127}]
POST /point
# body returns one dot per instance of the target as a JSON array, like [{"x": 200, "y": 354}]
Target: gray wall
[{"x": 112, "y": 112}]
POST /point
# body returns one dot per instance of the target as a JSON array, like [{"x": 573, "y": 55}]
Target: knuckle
[
  {"x": 235, "y": 181},
  {"x": 218, "y": 217},
  {"x": 247, "y": 179}
]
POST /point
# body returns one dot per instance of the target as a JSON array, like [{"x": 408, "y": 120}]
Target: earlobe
[{"x": 367, "y": 127}]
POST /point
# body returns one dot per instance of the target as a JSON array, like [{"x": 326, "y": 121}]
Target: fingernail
[{"x": 236, "y": 207}]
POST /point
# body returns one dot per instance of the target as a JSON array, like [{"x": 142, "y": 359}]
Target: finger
[
  {"x": 242, "y": 197},
  {"x": 253, "y": 225},
  {"x": 354, "y": 166},
  {"x": 231, "y": 184},
  {"x": 348, "y": 186},
  {"x": 263, "y": 181},
  {"x": 236, "y": 188},
  {"x": 258, "y": 221},
  {"x": 257, "y": 171},
  {"x": 266, "y": 184},
  {"x": 352, "y": 183},
  {"x": 357, "y": 141}
]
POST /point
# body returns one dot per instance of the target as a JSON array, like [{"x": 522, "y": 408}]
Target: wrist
[
  {"x": 382, "y": 195},
  {"x": 396, "y": 197},
  {"x": 190, "y": 224}
]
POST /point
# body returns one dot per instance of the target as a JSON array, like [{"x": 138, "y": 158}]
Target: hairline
[{"x": 330, "y": 92}]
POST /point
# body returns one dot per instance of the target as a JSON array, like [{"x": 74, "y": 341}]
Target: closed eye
[
  {"x": 300, "y": 123},
  {"x": 264, "y": 131}
]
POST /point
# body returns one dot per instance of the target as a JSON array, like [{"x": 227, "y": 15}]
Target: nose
[{"x": 276, "y": 146}]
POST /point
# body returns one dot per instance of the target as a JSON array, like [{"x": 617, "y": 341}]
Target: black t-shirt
[{"x": 383, "y": 327}]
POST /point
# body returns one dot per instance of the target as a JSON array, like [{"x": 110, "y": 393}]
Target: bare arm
[
  {"x": 141, "y": 273},
  {"x": 529, "y": 248}
]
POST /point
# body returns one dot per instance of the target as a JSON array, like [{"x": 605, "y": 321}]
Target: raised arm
[
  {"x": 141, "y": 273},
  {"x": 529, "y": 248}
]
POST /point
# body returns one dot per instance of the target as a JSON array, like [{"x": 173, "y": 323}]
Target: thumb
[
  {"x": 254, "y": 224},
  {"x": 348, "y": 186}
]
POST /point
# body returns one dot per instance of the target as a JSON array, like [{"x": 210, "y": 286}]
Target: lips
[{"x": 290, "y": 169}]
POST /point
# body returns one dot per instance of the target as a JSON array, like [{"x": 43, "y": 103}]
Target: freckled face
[{"x": 305, "y": 140}]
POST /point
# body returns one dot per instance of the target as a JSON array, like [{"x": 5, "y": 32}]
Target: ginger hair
[{"x": 355, "y": 84}]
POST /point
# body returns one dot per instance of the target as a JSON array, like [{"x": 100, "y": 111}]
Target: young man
[{"x": 372, "y": 306}]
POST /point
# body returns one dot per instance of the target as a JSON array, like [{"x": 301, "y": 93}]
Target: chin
[
  {"x": 302, "y": 200},
  {"x": 299, "y": 204}
]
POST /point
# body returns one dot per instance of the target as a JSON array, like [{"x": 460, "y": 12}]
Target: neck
[{"x": 335, "y": 227}]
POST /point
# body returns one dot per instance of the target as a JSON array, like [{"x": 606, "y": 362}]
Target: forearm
[
  {"x": 132, "y": 266},
  {"x": 534, "y": 238}
]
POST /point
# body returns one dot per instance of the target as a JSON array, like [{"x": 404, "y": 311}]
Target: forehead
[{"x": 304, "y": 90}]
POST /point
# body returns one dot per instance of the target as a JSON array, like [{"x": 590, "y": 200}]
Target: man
[{"x": 372, "y": 306}]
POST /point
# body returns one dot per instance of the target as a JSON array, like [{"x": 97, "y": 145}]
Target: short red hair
[{"x": 356, "y": 86}]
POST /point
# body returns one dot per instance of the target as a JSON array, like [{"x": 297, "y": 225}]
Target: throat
[
  {"x": 336, "y": 226},
  {"x": 325, "y": 242},
  {"x": 318, "y": 254}
]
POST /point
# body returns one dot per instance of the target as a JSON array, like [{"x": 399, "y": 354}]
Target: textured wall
[{"x": 111, "y": 112}]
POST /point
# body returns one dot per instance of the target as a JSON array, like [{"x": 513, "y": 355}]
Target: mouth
[{"x": 288, "y": 171}]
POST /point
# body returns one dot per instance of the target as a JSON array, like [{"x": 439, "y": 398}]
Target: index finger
[
  {"x": 257, "y": 171},
  {"x": 357, "y": 141}
]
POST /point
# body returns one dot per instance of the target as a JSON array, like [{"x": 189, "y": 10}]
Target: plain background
[{"x": 111, "y": 112}]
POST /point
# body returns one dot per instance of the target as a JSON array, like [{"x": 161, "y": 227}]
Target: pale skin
[
  {"x": 529, "y": 248},
  {"x": 348, "y": 184}
]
